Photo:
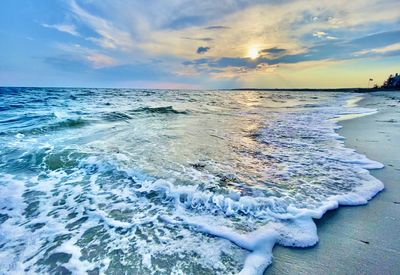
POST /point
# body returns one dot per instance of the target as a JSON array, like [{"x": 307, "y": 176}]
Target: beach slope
[{"x": 365, "y": 239}]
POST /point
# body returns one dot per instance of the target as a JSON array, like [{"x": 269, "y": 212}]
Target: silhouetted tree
[{"x": 393, "y": 82}]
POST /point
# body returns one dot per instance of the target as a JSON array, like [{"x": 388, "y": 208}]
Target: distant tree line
[{"x": 393, "y": 82}]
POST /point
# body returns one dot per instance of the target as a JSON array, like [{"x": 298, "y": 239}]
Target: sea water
[{"x": 123, "y": 181}]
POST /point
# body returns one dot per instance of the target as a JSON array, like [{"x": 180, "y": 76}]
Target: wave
[
  {"x": 5, "y": 108},
  {"x": 63, "y": 124},
  {"x": 29, "y": 117},
  {"x": 282, "y": 220},
  {"x": 116, "y": 116},
  {"x": 158, "y": 110},
  {"x": 41, "y": 126},
  {"x": 123, "y": 116}
]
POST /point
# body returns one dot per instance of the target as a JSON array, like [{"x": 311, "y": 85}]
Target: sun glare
[{"x": 253, "y": 52}]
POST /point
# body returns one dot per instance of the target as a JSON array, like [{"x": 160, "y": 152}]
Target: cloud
[
  {"x": 196, "y": 62},
  {"x": 218, "y": 27},
  {"x": 321, "y": 34},
  {"x": 84, "y": 56},
  {"x": 67, "y": 28},
  {"x": 110, "y": 37},
  {"x": 273, "y": 50},
  {"x": 185, "y": 21},
  {"x": 101, "y": 60},
  {"x": 133, "y": 26},
  {"x": 205, "y": 39},
  {"x": 390, "y": 49},
  {"x": 285, "y": 34},
  {"x": 375, "y": 40},
  {"x": 202, "y": 50},
  {"x": 332, "y": 51}
]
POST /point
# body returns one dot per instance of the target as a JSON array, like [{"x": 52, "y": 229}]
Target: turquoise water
[{"x": 122, "y": 181}]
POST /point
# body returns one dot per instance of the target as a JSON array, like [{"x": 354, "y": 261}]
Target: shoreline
[{"x": 350, "y": 238}]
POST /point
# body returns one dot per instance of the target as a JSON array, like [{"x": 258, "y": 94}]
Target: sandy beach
[{"x": 363, "y": 239}]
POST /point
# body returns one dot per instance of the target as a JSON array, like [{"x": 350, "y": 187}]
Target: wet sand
[{"x": 362, "y": 239}]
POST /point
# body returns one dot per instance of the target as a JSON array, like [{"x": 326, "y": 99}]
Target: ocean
[{"x": 128, "y": 181}]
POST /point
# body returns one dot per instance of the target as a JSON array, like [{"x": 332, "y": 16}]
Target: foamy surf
[{"x": 172, "y": 181}]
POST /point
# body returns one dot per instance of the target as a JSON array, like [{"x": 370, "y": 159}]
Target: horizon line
[{"x": 202, "y": 89}]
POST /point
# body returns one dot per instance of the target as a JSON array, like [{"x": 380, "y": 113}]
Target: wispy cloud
[
  {"x": 110, "y": 37},
  {"x": 218, "y": 27},
  {"x": 324, "y": 35},
  {"x": 274, "y": 50},
  {"x": 67, "y": 28},
  {"x": 205, "y": 39},
  {"x": 101, "y": 60},
  {"x": 90, "y": 57},
  {"x": 382, "y": 50}
]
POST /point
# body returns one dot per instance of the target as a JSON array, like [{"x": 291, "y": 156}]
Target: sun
[{"x": 253, "y": 52}]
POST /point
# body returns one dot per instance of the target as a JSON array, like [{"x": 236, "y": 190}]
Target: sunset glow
[{"x": 253, "y": 52}]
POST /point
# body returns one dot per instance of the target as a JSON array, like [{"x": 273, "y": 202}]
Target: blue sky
[{"x": 198, "y": 44}]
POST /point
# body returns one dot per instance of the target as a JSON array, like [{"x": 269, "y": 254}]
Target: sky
[{"x": 180, "y": 44}]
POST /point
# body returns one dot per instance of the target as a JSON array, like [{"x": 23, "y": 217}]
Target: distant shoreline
[{"x": 351, "y": 90}]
